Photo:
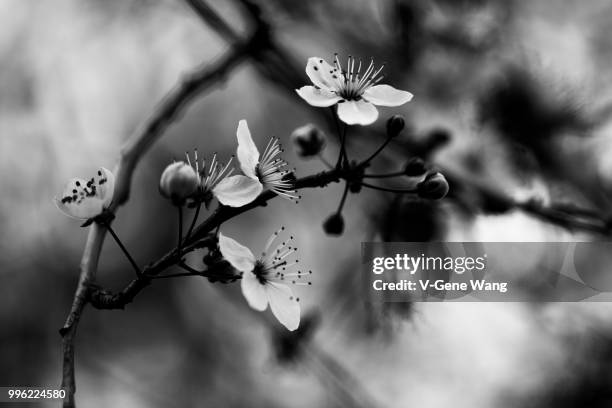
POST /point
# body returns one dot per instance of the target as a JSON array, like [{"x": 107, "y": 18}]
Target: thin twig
[
  {"x": 180, "y": 230},
  {"x": 124, "y": 249},
  {"x": 324, "y": 161},
  {"x": 377, "y": 151},
  {"x": 343, "y": 199},
  {"x": 388, "y": 175},
  {"x": 390, "y": 190},
  {"x": 104, "y": 299},
  {"x": 194, "y": 220}
]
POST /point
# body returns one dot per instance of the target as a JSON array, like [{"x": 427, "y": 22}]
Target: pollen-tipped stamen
[
  {"x": 212, "y": 174},
  {"x": 271, "y": 172}
]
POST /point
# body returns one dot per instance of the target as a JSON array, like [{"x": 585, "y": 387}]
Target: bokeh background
[{"x": 515, "y": 95}]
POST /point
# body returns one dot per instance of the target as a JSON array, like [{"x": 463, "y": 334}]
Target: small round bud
[
  {"x": 308, "y": 140},
  {"x": 395, "y": 124},
  {"x": 434, "y": 187},
  {"x": 415, "y": 167},
  {"x": 334, "y": 224},
  {"x": 178, "y": 181}
]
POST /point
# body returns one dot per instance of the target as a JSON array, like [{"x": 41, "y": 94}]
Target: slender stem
[
  {"x": 193, "y": 222},
  {"x": 324, "y": 161},
  {"x": 177, "y": 275},
  {"x": 344, "y": 152},
  {"x": 398, "y": 173},
  {"x": 343, "y": 199},
  {"x": 194, "y": 272},
  {"x": 382, "y": 146},
  {"x": 124, "y": 249},
  {"x": 342, "y": 137},
  {"x": 188, "y": 268},
  {"x": 391, "y": 190},
  {"x": 180, "y": 230}
]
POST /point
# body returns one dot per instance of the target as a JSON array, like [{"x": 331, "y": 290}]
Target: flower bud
[
  {"x": 308, "y": 140},
  {"x": 178, "y": 181},
  {"x": 395, "y": 124},
  {"x": 415, "y": 167},
  {"x": 334, "y": 224},
  {"x": 434, "y": 187}
]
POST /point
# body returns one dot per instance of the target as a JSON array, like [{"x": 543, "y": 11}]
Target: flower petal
[
  {"x": 237, "y": 191},
  {"x": 318, "y": 96},
  {"x": 239, "y": 256},
  {"x": 247, "y": 152},
  {"x": 357, "y": 112},
  {"x": 386, "y": 95},
  {"x": 322, "y": 74},
  {"x": 106, "y": 185},
  {"x": 254, "y": 292},
  {"x": 284, "y": 305},
  {"x": 78, "y": 202}
]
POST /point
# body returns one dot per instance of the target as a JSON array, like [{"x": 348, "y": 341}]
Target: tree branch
[
  {"x": 201, "y": 237},
  {"x": 170, "y": 107},
  {"x": 103, "y": 299}
]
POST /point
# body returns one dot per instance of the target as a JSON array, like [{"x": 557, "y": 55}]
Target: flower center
[
  {"x": 210, "y": 175},
  {"x": 352, "y": 83},
  {"x": 271, "y": 171},
  {"x": 261, "y": 271}
]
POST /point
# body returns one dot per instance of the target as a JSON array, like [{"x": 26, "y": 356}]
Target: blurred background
[{"x": 512, "y": 100}]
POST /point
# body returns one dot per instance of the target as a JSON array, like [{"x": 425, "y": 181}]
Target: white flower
[
  {"x": 261, "y": 278},
  {"x": 261, "y": 171},
  {"x": 86, "y": 199},
  {"x": 354, "y": 92}
]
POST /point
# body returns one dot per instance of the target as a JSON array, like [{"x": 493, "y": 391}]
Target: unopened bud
[
  {"x": 415, "y": 167},
  {"x": 308, "y": 140},
  {"x": 178, "y": 181},
  {"x": 395, "y": 124},
  {"x": 334, "y": 224},
  {"x": 434, "y": 187}
]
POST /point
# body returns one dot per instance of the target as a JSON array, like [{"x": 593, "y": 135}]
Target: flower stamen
[{"x": 271, "y": 171}]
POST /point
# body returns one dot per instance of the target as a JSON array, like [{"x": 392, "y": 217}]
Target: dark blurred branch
[
  {"x": 570, "y": 217},
  {"x": 213, "y": 20}
]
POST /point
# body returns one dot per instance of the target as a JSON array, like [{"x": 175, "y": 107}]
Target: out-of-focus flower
[
  {"x": 86, "y": 199},
  {"x": 263, "y": 280},
  {"x": 178, "y": 181},
  {"x": 354, "y": 92},
  {"x": 434, "y": 187},
  {"x": 265, "y": 171},
  {"x": 308, "y": 140}
]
